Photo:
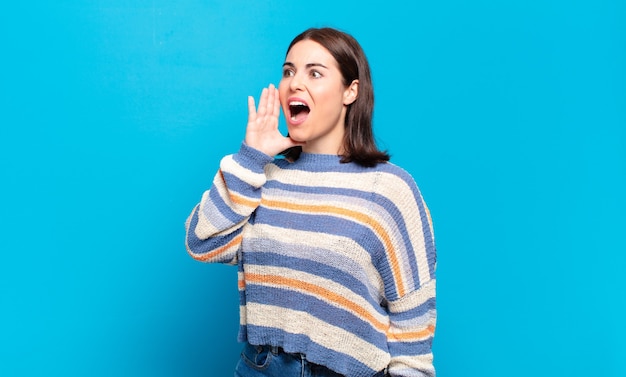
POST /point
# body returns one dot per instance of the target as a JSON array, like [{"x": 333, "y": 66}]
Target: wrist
[{"x": 252, "y": 158}]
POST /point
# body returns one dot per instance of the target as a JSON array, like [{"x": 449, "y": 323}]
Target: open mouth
[{"x": 298, "y": 111}]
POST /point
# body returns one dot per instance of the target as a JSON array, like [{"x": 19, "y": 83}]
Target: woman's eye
[
  {"x": 316, "y": 74},
  {"x": 287, "y": 73}
]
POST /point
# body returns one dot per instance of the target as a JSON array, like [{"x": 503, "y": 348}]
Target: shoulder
[
  {"x": 396, "y": 190},
  {"x": 393, "y": 178},
  {"x": 393, "y": 169}
]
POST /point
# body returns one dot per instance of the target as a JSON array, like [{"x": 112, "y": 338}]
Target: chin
[{"x": 296, "y": 136}]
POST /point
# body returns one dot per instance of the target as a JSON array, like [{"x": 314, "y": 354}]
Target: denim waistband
[{"x": 277, "y": 350}]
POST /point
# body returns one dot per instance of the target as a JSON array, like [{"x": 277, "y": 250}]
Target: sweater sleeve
[
  {"x": 215, "y": 226},
  {"x": 410, "y": 284},
  {"x": 410, "y": 335}
]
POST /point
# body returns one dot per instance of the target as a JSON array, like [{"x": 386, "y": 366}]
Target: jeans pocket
[{"x": 256, "y": 357}]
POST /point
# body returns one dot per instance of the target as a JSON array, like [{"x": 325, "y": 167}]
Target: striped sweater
[{"x": 335, "y": 261}]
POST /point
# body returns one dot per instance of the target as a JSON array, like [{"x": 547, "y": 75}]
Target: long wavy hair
[{"x": 359, "y": 144}]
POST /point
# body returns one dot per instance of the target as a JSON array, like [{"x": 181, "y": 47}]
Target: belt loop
[
  {"x": 304, "y": 366},
  {"x": 275, "y": 350}
]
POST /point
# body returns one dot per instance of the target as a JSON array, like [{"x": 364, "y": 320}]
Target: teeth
[{"x": 296, "y": 107}]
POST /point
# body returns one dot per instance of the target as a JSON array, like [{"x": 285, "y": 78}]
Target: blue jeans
[{"x": 267, "y": 361}]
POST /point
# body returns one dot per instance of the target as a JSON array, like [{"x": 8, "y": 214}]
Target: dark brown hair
[{"x": 359, "y": 144}]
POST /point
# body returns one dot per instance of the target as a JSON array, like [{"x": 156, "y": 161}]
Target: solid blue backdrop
[{"x": 511, "y": 116}]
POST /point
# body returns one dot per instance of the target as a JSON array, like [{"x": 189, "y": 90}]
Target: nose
[{"x": 296, "y": 83}]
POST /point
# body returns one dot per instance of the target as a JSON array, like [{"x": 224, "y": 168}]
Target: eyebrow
[{"x": 309, "y": 65}]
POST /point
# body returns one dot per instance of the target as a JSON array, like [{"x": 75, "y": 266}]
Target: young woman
[{"x": 334, "y": 245}]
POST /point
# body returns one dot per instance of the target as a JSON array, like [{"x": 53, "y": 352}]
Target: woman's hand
[{"x": 262, "y": 132}]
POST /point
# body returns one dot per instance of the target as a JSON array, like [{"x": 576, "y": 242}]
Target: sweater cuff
[{"x": 252, "y": 159}]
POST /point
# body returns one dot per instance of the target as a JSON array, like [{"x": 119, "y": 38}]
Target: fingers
[
  {"x": 251, "y": 109},
  {"x": 276, "y": 109},
  {"x": 269, "y": 104},
  {"x": 262, "y": 131},
  {"x": 262, "y": 110},
  {"x": 272, "y": 100}
]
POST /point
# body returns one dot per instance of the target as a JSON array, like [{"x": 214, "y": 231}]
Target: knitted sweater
[{"x": 335, "y": 261}]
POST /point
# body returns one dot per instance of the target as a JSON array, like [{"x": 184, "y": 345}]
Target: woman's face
[{"x": 314, "y": 99}]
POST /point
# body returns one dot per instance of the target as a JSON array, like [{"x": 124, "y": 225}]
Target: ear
[{"x": 351, "y": 93}]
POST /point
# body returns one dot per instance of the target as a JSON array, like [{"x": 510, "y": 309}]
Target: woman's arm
[
  {"x": 411, "y": 332},
  {"x": 410, "y": 290},
  {"x": 215, "y": 225},
  {"x": 214, "y": 228}
]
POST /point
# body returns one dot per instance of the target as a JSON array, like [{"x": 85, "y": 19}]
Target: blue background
[{"x": 511, "y": 116}]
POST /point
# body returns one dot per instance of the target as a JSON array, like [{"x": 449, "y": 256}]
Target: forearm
[
  {"x": 215, "y": 224},
  {"x": 413, "y": 321}
]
